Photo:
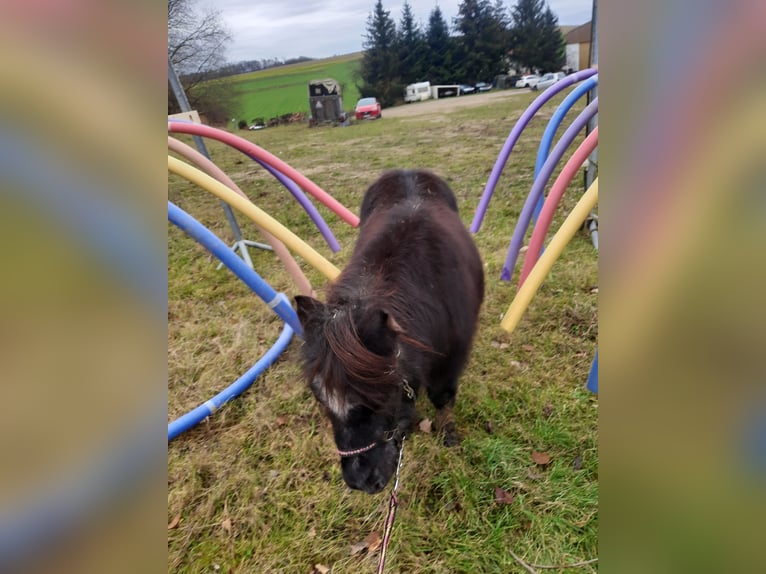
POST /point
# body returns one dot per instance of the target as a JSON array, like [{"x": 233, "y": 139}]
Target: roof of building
[{"x": 580, "y": 35}]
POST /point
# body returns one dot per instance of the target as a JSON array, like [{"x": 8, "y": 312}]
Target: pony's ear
[
  {"x": 310, "y": 311},
  {"x": 378, "y": 331},
  {"x": 393, "y": 324}
]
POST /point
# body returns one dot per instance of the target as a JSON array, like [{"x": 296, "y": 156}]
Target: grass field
[
  {"x": 257, "y": 487},
  {"x": 284, "y": 90}
]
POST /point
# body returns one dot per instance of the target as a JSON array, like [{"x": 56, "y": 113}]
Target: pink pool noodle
[
  {"x": 269, "y": 159},
  {"x": 552, "y": 201}
]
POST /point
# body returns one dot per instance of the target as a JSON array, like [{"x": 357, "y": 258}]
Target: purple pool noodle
[
  {"x": 305, "y": 202},
  {"x": 539, "y": 185},
  {"x": 514, "y": 136}
]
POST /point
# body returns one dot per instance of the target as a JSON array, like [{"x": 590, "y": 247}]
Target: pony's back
[
  {"x": 396, "y": 187},
  {"x": 415, "y": 258}
]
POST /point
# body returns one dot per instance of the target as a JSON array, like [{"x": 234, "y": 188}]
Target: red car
[{"x": 367, "y": 108}]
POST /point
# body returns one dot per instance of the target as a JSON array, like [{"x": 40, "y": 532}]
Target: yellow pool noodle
[
  {"x": 260, "y": 217},
  {"x": 543, "y": 266}
]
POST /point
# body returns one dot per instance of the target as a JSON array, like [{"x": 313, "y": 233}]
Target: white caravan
[{"x": 417, "y": 92}]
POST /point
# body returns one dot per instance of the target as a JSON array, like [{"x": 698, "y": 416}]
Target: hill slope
[{"x": 282, "y": 90}]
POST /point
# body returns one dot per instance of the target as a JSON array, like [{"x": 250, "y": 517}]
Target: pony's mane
[{"x": 348, "y": 364}]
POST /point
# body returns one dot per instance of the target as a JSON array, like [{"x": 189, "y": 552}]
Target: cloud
[{"x": 280, "y": 29}]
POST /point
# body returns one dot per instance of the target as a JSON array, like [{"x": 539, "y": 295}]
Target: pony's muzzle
[{"x": 371, "y": 471}]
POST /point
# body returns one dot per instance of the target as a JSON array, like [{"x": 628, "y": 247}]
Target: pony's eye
[{"x": 315, "y": 385}]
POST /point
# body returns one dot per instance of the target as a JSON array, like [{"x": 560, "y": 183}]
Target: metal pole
[{"x": 183, "y": 102}]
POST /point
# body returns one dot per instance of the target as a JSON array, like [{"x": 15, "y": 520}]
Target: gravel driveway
[{"x": 446, "y": 105}]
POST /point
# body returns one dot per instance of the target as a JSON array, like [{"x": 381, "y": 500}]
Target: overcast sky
[{"x": 321, "y": 28}]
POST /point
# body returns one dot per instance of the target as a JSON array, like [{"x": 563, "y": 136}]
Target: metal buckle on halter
[
  {"x": 408, "y": 389},
  {"x": 390, "y": 435}
]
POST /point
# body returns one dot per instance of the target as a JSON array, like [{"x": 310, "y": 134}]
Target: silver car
[{"x": 548, "y": 80}]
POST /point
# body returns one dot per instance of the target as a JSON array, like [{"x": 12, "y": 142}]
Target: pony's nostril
[
  {"x": 352, "y": 481},
  {"x": 377, "y": 483},
  {"x": 356, "y": 474}
]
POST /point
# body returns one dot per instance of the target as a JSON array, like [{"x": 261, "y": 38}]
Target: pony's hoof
[{"x": 451, "y": 438}]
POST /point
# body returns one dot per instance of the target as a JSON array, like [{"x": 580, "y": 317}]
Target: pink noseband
[{"x": 347, "y": 453}]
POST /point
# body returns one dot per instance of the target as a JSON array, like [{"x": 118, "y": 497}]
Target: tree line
[
  {"x": 486, "y": 39},
  {"x": 247, "y": 66}
]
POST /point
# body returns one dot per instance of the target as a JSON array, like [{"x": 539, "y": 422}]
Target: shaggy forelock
[{"x": 345, "y": 367}]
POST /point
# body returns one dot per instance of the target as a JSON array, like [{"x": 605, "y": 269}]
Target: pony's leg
[
  {"x": 443, "y": 398},
  {"x": 408, "y": 418}
]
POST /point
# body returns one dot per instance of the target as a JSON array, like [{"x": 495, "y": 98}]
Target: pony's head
[{"x": 351, "y": 365}]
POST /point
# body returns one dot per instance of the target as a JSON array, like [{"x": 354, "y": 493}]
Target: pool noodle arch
[
  {"x": 513, "y": 137},
  {"x": 258, "y": 216},
  {"x": 308, "y": 207},
  {"x": 559, "y": 241},
  {"x": 278, "y": 302},
  {"x": 296, "y": 192},
  {"x": 553, "y": 124},
  {"x": 539, "y": 185},
  {"x": 197, "y": 415},
  {"x": 257, "y": 152},
  {"x": 194, "y": 229},
  {"x": 592, "y": 383},
  {"x": 542, "y": 154},
  {"x": 292, "y": 267},
  {"x": 551, "y": 202}
]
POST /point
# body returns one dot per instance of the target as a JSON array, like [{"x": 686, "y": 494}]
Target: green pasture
[
  {"x": 283, "y": 90},
  {"x": 257, "y": 487}
]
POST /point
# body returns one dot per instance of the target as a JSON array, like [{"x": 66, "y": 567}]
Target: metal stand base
[{"x": 242, "y": 246}]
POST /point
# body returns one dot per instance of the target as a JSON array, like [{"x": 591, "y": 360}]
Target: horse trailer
[{"x": 325, "y": 101}]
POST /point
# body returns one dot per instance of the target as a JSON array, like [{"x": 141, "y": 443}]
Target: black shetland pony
[{"x": 401, "y": 316}]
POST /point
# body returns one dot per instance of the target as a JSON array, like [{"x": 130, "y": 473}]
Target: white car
[
  {"x": 548, "y": 80},
  {"x": 527, "y": 81}
]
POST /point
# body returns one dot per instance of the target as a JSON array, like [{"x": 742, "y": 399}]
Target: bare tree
[{"x": 196, "y": 46}]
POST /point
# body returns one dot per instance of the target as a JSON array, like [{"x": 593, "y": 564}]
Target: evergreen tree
[
  {"x": 380, "y": 64},
  {"x": 552, "y": 43},
  {"x": 536, "y": 41},
  {"x": 483, "y": 40},
  {"x": 439, "y": 50},
  {"x": 502, "y": 34},
  {"x": 526, "y": 18},
  {"x": 412, "y": 48}
]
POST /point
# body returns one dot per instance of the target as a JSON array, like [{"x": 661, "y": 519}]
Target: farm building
[{"x": 578, "y": 47}]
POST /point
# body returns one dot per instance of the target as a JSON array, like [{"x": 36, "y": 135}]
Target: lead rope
[{"x": 392, "y": 504}]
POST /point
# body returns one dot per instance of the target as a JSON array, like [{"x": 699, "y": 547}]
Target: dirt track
[{"x": 446, "y": 105}]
